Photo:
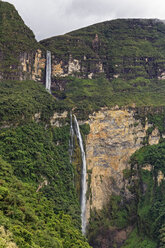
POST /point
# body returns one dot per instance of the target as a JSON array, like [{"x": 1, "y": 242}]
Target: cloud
[
  {"x": 106, "y": 8},
  {"x": 53, "y": 17}
]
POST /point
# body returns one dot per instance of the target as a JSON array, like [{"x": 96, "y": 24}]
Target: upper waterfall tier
[{"x": 48, "y": 71}]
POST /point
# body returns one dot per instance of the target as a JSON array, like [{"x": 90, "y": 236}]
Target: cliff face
[
  {"x": 124, "y": 49},
  {"x": 119, "y": 49},
  {"x": 31, "y": 66},
  {"x": 130, "y": 55},
  {"x": 6, "y": 238},
  {"x": 114, "y": 136},
  {"x": 21, "y": 57}
]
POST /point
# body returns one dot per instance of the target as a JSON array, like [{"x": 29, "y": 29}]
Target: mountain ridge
[
  {"x": 106, "y": 21},
  {"x": 111, "y": 75},
  {"x": 121, "y": 49}
]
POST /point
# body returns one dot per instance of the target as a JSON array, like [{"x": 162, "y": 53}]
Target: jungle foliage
[
  {"x": 127, "y": 48},
  {"x": 39, "y": 205},
  {"x": 87, "y": 96},
  {"x": 15, "y": 39},
  {"x": 144, "y": 213},
  {"x": 39, "y": 186}
]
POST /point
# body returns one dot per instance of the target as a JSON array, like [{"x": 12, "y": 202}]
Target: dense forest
[{"x": 40, "y": 182}]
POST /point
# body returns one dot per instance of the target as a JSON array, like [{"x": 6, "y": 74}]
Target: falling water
[
  {"x": 71, "y": 138},
  {"x": 48, "y": 71},
  {"x": 83, "y": 177}
]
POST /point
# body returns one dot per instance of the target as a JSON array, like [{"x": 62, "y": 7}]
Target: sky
[{"x": 49, "y": 18}]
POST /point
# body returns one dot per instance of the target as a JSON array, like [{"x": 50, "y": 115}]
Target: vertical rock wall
[
  {"x": 30, "y": 65},
  {"x": 114, "y": 136}
]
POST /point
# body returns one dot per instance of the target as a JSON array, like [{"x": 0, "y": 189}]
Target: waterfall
[
  {"x": 71, "y": 139},
  {"x": 48, "y": 71},
  {"x": 83, "y": 177}
]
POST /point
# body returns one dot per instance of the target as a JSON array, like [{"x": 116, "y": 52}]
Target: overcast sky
[{"x": 48, "y": 18}]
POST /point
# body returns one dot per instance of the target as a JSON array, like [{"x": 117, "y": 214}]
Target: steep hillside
[
  {"x": 125, "y": 157},
  {"x": 39, "y": 204},
  {"x": 18, "y": 45},
  {"x": 124, "y": 48},
  {"x": 124, "y": 63},
  {"x": 118, "y": 66},
  {"x": 112, "y": 77}
]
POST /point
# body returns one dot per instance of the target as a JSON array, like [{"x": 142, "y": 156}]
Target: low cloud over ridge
[{"x": 52, "y": 17}]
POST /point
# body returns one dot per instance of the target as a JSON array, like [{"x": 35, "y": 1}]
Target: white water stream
[
  {"x": 48, "y": 71},
  {"x": 71, "y": 145},
  {"x": 83, "y": 177}
]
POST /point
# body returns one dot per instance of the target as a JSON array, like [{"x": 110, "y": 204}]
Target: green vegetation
[
  {"x": 132, "y": 53},
  {"x": 20, "y": 101},
  {"x": 135, "y": 240},
  {"x": 128, "y": 48},
  {"x": 16, "y": 39},
  {"x": 13, "y": 30},
  {"x": 39, "y": 205},
  {"x": 38, "y": 153},
  {"x": 143, "y": 213},
  {"x": 39, "y": 187},
  {"x": 35, "y": 156},
  {"x": 150, "y": 191},
  {"x": 30, "y": 216},
  {"x": 153, "y": 155},
  {"x": 87, "y": 96},
  {"x": 117, "y": 215}
]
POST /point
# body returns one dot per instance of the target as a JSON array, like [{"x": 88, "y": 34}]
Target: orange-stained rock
[
  {"x": 39, "y": 66},
  {"x": 114, "y": 136}
]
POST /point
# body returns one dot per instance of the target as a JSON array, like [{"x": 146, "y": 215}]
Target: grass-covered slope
[
  {"x": 86, "y": 96},
  {"x": 39, "y": 206},
  {"x": 20, "y": 101},
  {"x": 132, "y": 52},
  {"x": 15, "y": 39},
  {"x": 127, "y": 48}
]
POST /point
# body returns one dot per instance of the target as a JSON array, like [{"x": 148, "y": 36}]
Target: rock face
[
  {"x": 6, "y": 238},
  {"x": 39, "y": 66},
  {"x": 120, "y": 49},
  {"x": 32, "y": 66},
  {"x": 114, "y": 136},
  {"x": 154, "y": 137},
  {"x": 72, "y": 67},
  {"x": 124, "y": 49},
  {"x": 21, "y": 57},
  {"x": 57, "y": 119},
  {"x": 160, "y": 177}
]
